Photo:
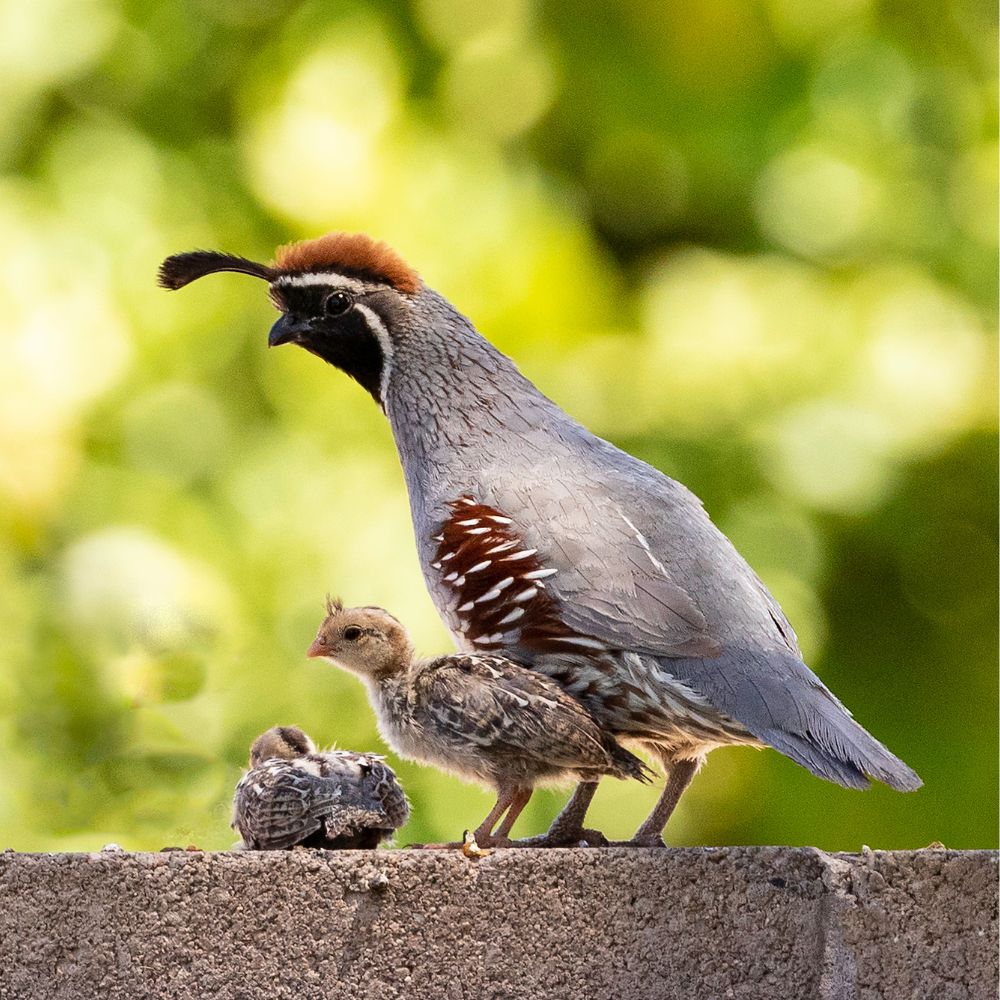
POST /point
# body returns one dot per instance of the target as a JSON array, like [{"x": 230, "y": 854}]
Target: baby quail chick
[
  {"x": 294, "y": 795},
  {"x": 482, "y": 717}
]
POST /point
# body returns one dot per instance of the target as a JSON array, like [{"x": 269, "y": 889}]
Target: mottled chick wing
[
  {"x": 499, "y": 705},
  {"x": 279, "y": 804},
  {"x": 349, "y": 820},
  {"x": 369, "y": 784}
]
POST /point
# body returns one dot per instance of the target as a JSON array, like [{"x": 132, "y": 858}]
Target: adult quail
[
  {"x": 478, "y": 715},
  {"x": 296, "y": 796},
  {"x": 545, "y": 543}
]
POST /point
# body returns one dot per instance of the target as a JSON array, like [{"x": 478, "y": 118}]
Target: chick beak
[
  {"x": 316, "y": 649},
  {"x": 287, "y": 331}
]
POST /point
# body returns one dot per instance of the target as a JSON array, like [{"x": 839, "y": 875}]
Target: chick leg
[
  {"x": 680, "y": 773},
  {"x": 505, "y": 796},
  {"x": 483, "y": 834},
  {"x": 519, "y": 801},
  {"x": 567, "y": 828}
]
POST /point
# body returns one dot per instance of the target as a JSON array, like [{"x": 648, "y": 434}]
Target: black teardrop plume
[{"x": 183, "y": 268}]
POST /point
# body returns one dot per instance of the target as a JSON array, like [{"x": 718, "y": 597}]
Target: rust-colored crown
[{"x": 351, "y": 253}]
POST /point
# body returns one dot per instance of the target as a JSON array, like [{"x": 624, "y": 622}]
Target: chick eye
[
  {"x": 337, "y": 303},
  {"x": 351, "y": 633}
]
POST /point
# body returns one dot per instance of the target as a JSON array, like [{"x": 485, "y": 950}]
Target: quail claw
[
  {"x": 471, "y": 849},
  {"x": 581, "y": 837},
  {"x": 653, "y": 841}
]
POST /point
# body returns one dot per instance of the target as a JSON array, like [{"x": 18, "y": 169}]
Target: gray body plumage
[
  {"x": 640, "y": 566},
  {"x": 335, "y": 799}
]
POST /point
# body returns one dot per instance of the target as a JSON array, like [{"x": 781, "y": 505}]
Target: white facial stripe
[
  {"x": 320, "y": 278},
  {"x": 385, "y": 342}
]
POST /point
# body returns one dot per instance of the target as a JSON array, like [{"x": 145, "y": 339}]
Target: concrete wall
[{"x": 702, "y": 924}]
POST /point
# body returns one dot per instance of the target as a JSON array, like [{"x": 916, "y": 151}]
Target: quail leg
[
  {"x": 518, "y": 802},
  {"x": 483, "y": 834},
  {"x": 679, "y": 777},
  {"x": 511, "y": 799},
  {"x": 567, "y": 828}
]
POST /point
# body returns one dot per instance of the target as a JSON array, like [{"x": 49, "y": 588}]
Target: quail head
[
  {"x": 296, "y": 796},
  {"x": 477, "y": 715},
  {"x": 545, "y": 544}
]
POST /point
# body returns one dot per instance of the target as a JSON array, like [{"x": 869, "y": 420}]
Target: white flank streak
[
  {"x": 486, "y": 640},
  {"x": 478, "y": 531},
  {"x": 641, "y": 539},
  {"x": 580, "y": 641},
  {"x": 501, "y": 548},
  {"x": 523, "y": 554},
  {"x": 436, "y": 565},
  {"x": 500, "y": 520},
  {"x": 539, "y": 574},
  {"x": 451, "y": 576},
  {"x": 467, "y": 606},
  {"x": 467, "y": 501},
  {"x": 459, "y": 581},
  {"x": 525, "y": 595},
  {"x": 469, "y": 523},
  {"x": 438, "y": 538},
  {"x": 450, "y": 555},
  {"x": 490, "y": 595},
  {"x": 385, "y": 342},
  {"x": 479, "y": 567},
  {"x": 511, "y": 617}
]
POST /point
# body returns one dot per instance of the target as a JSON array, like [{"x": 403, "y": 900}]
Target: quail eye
[
  {"x": 337, "y": 303},
  {"x": 351, "y": 633}
]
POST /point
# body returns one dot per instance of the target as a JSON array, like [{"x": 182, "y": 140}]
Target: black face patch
[{"x": 345, "y": 341}]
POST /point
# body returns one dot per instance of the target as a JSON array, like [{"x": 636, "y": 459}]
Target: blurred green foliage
[{"x": 751, "y": 241}]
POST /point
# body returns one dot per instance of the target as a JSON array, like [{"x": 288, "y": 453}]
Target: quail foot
[
  {"x": 477, "y": 715},
  {"x": 296, "y": 796},
  {"x": 542, "y": 543}
]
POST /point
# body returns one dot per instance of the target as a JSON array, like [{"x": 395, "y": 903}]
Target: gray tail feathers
[
  {"x": 838, "y": 749},
  {"x": 626, "y": 764}
]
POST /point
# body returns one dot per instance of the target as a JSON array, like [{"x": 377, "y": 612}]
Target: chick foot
[
  {"x": 558, "y": 837},
  {"x": 652, "y": 840}
]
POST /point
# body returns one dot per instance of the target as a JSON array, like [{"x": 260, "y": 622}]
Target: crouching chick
[{"x": 296, "y": 796}]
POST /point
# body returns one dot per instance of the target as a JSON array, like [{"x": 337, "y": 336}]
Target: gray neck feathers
[{"x": 454, "y": 401}]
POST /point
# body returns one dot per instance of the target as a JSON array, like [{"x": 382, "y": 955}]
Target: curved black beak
[{"x": 287, "y": 331}]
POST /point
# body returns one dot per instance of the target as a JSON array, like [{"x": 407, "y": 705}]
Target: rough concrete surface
[{"x": 708, "y": 923}]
